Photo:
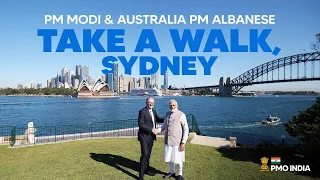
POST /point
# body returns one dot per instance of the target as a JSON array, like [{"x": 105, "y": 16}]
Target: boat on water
[
  {"x": 271, "y": 120},
  {"x": 146, "y": 92},
  {"x": 176, "y": 94}
]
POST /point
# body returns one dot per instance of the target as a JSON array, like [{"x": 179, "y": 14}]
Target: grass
[{"x": 118, "y": 158}]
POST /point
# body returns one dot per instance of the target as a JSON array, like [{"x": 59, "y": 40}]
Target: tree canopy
[{"x": 306, "y": 128}]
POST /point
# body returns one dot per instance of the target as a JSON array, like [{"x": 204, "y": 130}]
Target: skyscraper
[
  {"x": 125, "y": 82},
  {"x": 147, "y": 82},
  {"x": 48, "y": 83},
  {"x": 76, "y": 83},
  {"x": 153, "y": 80},
  {"x": 78, "y": 72},
  {"x": 109, "y": 81},
  {"x": 115, "y": 78},
  {"x": 73, "y": 77},
  {"x": 132, "y": 83},
  {"x": 121, "y": 79},
  {"x": 53, "y": 83},
  {"x": 63, "y": 74},
  {"x": 141, "y": 83},
  {"x": 157, "y": 80},
  {"x": 67, "y": 77},
  {"x": 165, "y": 80},
  {"x": 85, "y": 73}
]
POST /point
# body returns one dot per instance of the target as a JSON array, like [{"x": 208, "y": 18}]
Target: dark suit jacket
[{"x": 146, "y": 125}]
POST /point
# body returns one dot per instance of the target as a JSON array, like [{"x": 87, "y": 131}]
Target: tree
[
  {"x": 306, "y": 128},
  {"x": 316, "y": 45}
]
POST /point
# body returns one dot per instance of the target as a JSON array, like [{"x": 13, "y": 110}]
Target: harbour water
[{"x": 216, "y": 116}]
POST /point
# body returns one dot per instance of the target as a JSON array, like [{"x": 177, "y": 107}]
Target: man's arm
[
  {"x": 142, "y": 124},
  {"x": 162, "y": 128},
  {"x": 185, "y": 128}
]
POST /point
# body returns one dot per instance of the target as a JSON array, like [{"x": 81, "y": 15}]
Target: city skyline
[
  {"x": 161, "y": 79},
  {"x": 68, "y": 78},
  {"x": 30, "y": 65}
]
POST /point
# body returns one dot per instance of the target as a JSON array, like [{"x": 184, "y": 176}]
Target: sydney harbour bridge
[{"x": 295, "y": 68}]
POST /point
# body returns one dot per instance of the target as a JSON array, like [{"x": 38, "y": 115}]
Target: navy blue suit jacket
[{"x": 146, "y": 125}]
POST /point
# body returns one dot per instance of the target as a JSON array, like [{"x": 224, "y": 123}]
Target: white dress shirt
[{"x": 151, "y": 113}]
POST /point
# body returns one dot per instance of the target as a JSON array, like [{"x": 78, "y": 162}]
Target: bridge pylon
[{"x": 225, "y": 88}]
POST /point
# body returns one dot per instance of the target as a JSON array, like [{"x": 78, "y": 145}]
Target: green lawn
[{"x": 118, "y": 158}]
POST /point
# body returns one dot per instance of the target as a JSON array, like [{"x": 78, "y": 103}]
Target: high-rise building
[
  {"x": 153, "y": 80},
  {"x": 73, "y": 77},
  {"x": 125, "y": 82},
  {"x": 60, "y": 79},
  {"x": 20, "y": 86},
  {"x": 121, "y": 79},
  {"x": 165, "y": 80},
  {"x": 157, "y": 80},
  {"x": 53, "y": 82},
  {"x": 115, "y": 78},
  {"x": 33, "y": 85},
  {"x": 63, "y": 74},
  {"x": 78, "y": 72},
  {"x": 147, "y": 82},
  {"x": 85, "y": 73},
  {"x": 109, "y": 81},
  {"x": 103, "y": 78},
  {"x": 91, "y": 81},
  {"x": 39, "y": 86},
  {"x": 132, "y": 83},
  {"x": 48, "y": 83},
  {"x": 81, "y": 75},
  {"x": 76, "y": 83},
  {"x": 141, "y": 83},
  {"x": 68, "y": 77}
]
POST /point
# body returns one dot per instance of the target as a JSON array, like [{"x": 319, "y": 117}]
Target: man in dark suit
[{"x": 147, "y": 134}]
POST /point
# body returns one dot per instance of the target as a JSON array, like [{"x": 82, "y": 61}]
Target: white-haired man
[{"x": 176, "y": 135}]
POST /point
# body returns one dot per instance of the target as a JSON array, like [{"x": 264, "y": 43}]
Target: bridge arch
[{"x": 248, "y": 77}]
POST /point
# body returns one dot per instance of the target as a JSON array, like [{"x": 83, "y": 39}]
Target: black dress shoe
[
  {"x": 150, "y": 173},
  {"x": 169, "y": 175},
  {"x": 180, "y": 177}
]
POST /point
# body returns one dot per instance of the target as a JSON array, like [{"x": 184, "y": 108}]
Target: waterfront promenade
[{"x": 120, "y": 133}]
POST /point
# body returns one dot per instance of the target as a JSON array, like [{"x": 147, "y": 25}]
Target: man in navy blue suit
[{"x": 147, "y": 134}]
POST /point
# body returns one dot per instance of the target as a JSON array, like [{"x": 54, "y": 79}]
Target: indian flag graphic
[{"x": 275, "y": 160}]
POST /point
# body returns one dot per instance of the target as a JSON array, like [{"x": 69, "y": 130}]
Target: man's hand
[
  {"x": 182, "y": 146},
  {"x": 155, "y": 131}
]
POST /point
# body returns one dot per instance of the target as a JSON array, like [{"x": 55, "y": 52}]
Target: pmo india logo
[{"x": 276, "y": 165}]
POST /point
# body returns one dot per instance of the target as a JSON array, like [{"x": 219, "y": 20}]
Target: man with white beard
[{"x": 176, "y": 135}]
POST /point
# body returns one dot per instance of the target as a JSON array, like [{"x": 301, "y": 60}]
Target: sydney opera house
[{"x": 99, "y": 89}]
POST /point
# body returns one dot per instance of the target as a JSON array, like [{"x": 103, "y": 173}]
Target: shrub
[{"x": 306, "y": 128}]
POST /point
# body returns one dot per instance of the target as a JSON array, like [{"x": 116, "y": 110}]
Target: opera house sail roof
[{"x": 99, "y": 89}]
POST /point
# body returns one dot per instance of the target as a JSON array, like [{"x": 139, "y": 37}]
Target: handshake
[{"x": 155, "y": 131}]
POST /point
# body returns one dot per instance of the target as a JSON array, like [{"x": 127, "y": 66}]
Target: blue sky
[{"x": 22, "y": 60}]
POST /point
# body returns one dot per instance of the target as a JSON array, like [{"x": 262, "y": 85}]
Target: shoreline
[
  {"x": 234, "y": 96},
  {"x": 33, "y": 95}
]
